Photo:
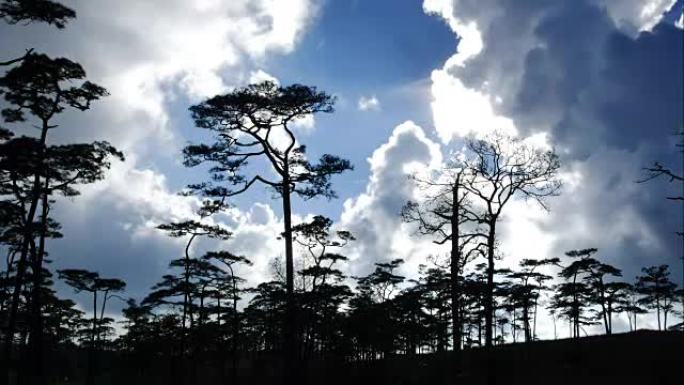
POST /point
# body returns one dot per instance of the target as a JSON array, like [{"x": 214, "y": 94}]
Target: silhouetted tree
[
  {"x": 434, "y": 286},
  {"x": 248, "y": 123},
  {"x": 631, "y": 306},
  {"x": 324, "y": 291},
  {"x": 27, "y": 11},
  {"x": 572, "y": 298},
  {"x": 605, "y": 294},
  {"x": 442, "y": 213},
  {"x": 372, "y": 326},
  {"x": 191, "y": 229},
  {"x": 526, "y": 292},
  {"x": 658, "y": 170},
  {"x": 91, "y": 282},
  {"x": 498, "y": 169},
  {"x": 265, "y": 317},
  {"x": 139, "y": 329},
  {"x": 657, "y": 291},
  {"x": 230, "y": 261},
  {"x": 40, "y": 88}
]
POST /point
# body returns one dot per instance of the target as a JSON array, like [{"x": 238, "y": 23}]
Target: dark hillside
[{"x": 643, "y": 357}]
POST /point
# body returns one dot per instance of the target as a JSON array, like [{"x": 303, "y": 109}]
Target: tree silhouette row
[{"x": 203, "y": 311}]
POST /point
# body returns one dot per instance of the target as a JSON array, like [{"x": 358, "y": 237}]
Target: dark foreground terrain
[{"x": 644, "y": 358}]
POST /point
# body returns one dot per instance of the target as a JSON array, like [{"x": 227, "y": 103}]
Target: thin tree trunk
[
  {"x": 513, "y": 330},
  {"x": 102, "y": 310},
  {"x": 21, "y": 268},
  {"x": 186, "y": 297},
  {"x": 575, "y": 304},
  {"x": 526, "y": 321},
  {"x": 91, "y": 354},
  {"x": 235, "y": 326},
  {"x": 635, "y": 321},
  {"x": 489, "y": 298},
  {"x": 534, "y": 320},
  {"x": 36, "y": 301},
  {"x": 291, "y": 350},
  {"x": 603, "y": 306},
  {"x": 658, "y": 307},
  {"x": 455, "y": 270}
]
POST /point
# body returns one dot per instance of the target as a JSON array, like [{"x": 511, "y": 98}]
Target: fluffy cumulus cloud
[
  {"x": 638, "y": 15},
  {"x": 189, "y": 49},
  {"x": 111, "y": 228},
  {"x": 374, "y": 216},
  {"x": 601, "y": 81},
  {"x": 155, "y": 57}
]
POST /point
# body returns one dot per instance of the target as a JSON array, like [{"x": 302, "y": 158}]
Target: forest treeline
[{"x": 203, "y": 312}]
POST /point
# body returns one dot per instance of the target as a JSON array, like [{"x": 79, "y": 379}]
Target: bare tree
[
  {"x": 442, "y": 213},
  {"x": 658, "y": 170},
  {"x": 499, "y": 168}
]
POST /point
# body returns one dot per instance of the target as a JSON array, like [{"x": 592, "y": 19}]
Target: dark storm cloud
[{"x": 610, "y": 98}]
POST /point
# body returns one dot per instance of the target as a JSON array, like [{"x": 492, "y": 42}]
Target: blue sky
[
  {"x": 599, "y": 80},
  {"x": 353, "y": 49}
]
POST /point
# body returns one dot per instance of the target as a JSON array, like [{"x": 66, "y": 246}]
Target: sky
[{"x": 600, "y": 81}]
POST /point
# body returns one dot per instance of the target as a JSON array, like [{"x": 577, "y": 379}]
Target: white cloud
[
  {"x": 260, "y": 76},
  {"x": 368, "y": 103},
  {"x": 541, "y": 76},
  {"x": 129, "y": 246},
  {"x": 305, "y": 125},
  {"x": 185, "y": 51},
  {"x": 470, "y": 39},
  {"x": 641, "y": 15},
  {"x": 189, "y": 49},
  {"x": 374, "y": 216},
  {"x": 458, "y": 111}
]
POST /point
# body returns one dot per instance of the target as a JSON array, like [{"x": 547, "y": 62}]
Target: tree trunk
[
  {"x": 291, "y": 351},
  {"x": 21, "y": 268},
  {"x": 635, "y": 321},
  {"x": 186, "y": 296},
  {"x": 455, "y": 271},
  {"x": 603, "y": 306},
  {"x": 513, "y": 330},
  {"x": 235, "y": 324},
  {"x": 526, "y": 321},
  {"x": 489, "y": 297},
  {"x": 575, "y": 304},
  {"x": 36, "y": 301},
  {"x": 102, "y": 310},
  {"x": 534, "y": 320},
  {"x": 91, "y": 354},
  {"x": 658, "y": 307}
]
